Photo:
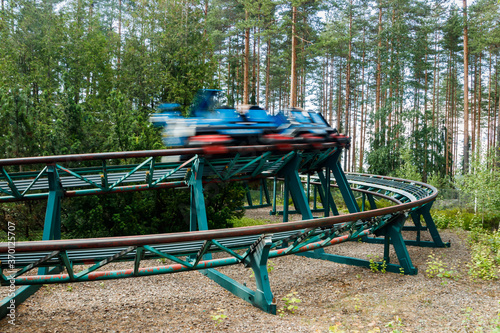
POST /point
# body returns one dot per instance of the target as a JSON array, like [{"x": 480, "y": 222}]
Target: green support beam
[
  {"x": 256, "y": 259},
  {"x": 294, "y": 187},
  {"x": 51, "y": 231},
  {"x": 328, "y": 202},
  {"x": 349, "y": 199}
]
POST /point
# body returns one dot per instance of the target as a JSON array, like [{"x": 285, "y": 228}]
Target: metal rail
[{"x": 251, "y": 246}]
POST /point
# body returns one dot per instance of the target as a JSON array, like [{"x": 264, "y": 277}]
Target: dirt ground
[{"x": 333, "y": 298}]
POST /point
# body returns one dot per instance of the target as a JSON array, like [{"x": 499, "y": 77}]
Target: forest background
[{"x": 419, "y": 100}]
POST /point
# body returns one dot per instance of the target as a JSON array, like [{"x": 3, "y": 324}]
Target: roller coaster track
[{"x": 90, "y": 174}]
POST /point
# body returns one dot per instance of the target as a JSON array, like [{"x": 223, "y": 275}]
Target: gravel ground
[{"x": 334, "y": 298}]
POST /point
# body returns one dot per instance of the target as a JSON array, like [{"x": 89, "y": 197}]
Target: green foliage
[
  {"x": 290, "y": 304},
  {"x": 485, "y": 254},
  {"x": 381, "y": 203},
  {"x": 408, "y": 169},
  {"x": 378, "y": 160},
  {"x": 247, "y": 222},
  {"x": 223, "y": 202},
  {"x": 148, "y": 212},
  {"x": 437, "y": 268},
  {"x": 218, "y": 317},
  {"x": 482, "y": 184},
  {"x": 375, "y": 266},
  {"x": 28, "y": 216},
  {"x": 455, "y": 218}
]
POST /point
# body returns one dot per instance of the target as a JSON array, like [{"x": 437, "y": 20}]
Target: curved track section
[{"x": 73, "y": 175}]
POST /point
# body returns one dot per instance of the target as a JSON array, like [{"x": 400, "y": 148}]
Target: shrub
[{"x": 485, "y": 254}]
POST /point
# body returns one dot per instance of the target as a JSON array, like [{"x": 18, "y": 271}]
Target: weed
[
  {"x": 377, "y": 267},
  {"x": 162, "y": 260},
  {"x": 397, "y": 322},
  {"x": 69, "y": 288},
  {"x": 467, "y": 316},
  {"x": 437, "y": 268},
  {"x": 290, "y": 304},
  {"x": 48, "y": 288},
  {"x": 218, "y": 317},
  {"x": 336, "y": 328},
  {"x": 270, "y": 268}
]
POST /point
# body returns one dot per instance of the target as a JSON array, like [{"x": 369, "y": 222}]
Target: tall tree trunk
[
  {"x": 339, "y": 98},
  {"x": 348, "y": 73},
  {"x": 254, "y": 75},
  {"x": 352, "y": 166},
  {"x": 330, "y": 107},
  {"x": 119, "y": 34},
  {"x": 258, "y": 68},
  {"x": 268, "y": 71},
  {"x": 324, "y": 99},
  {"x": 473, "y": 85},
  {"x": 293, "y": 76},
  {"x": 466, "y": 92},
  {"x": 246, "y": 68},
  {"x": 434, "y": 79},
  {"x": 362, "y": 122},
  {"x": 447, "y": 117},
  {"x": 479, "y": 103},
  {"x": 377, "y": 91},
  {"x": 424, "y": 174},
  {"x": 489, "y": 107}
]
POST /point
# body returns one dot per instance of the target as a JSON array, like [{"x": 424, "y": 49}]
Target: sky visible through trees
[{"x": 81, "y": 76}]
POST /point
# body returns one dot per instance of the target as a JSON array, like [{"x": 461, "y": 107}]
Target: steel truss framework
[{"x": 77, "y": 175}]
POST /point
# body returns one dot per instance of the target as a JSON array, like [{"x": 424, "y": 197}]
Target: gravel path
[{"x": 334, "y": 298}]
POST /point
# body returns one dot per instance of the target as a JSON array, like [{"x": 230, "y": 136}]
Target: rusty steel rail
[{"x": 89, "y": 243}]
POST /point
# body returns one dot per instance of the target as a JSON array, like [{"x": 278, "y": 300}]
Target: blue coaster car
[
  {"x": 307, "y": 126},
  {"x": 211, "y": 123}
]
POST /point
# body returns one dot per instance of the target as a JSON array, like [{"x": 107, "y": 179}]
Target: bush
[
  {"x": 149, "y": 212},
  {"x": 456, "y": 218},
  {"x": 485, "y": 253}
]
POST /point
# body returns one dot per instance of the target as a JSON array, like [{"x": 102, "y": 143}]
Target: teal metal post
[
  {"x": 371, "y": 200},
  {"x": 51, "y": 231},
  {"x": 345, "y": 189},
  {"x": 392, "y": 234},
  {"x": 424, "y": 211},
  {"x": 249, "y": 195},
  {"x": 266, "y": 191},
  {"x": 262, "y": 297},
  {"x": 315, "y": 194},
  {"x": 198, "y": 212},
  {"x": 273, "y": 211},
  {"x": 293, "y": 185},
  {"x": 257, "y": 258},
  {"x": 308, "y": 188},
  {"x": 327, "y": 196}
]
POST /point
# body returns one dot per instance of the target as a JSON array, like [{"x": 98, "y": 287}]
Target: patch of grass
[{"x": 248, "y": 222}]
